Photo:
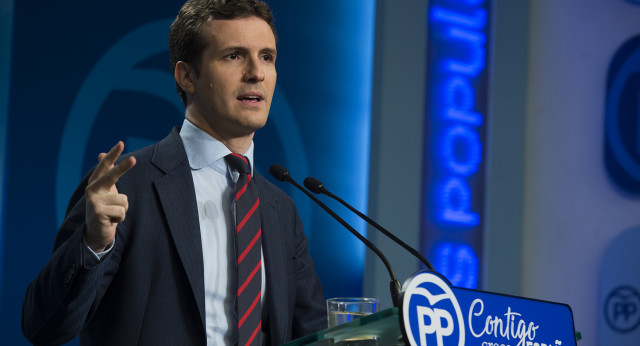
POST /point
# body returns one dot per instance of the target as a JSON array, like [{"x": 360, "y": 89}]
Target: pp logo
[
  {"x": 431, "y": 313},
  {"x": 622, "y": 309},
  {"x": 117, "y": 70},
  {"x": 622, "y": 117}
]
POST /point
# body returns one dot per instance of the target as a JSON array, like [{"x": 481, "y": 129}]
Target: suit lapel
[
  {"x": 177, "y": 197},
  {"x": 275, "y": 263},
  {"x": 178, "y": 200}
]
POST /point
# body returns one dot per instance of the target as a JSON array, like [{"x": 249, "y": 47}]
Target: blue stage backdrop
[{"x": 84, "y": 75}]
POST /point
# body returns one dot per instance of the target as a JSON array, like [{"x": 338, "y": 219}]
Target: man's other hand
[{"x": 105, "y": 206}]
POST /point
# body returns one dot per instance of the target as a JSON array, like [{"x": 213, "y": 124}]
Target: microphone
[
  {"x": 282, "y": 174},
  {"x": 316, "y": 186}
]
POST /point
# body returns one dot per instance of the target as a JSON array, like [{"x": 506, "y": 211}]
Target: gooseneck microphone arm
[
  {"x": 316, "y": 186},
  {"x": 282, "y": 174}
]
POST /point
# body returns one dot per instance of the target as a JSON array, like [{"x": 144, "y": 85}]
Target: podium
[{"x": 432, "y": 312}]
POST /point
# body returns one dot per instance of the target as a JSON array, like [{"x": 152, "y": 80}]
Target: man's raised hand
[{"x": 105, "y": 206}]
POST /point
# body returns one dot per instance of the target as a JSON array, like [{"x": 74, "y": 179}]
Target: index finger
[
  {"x": 106, "y": 161},
  {"x": 110, "y": 178}
]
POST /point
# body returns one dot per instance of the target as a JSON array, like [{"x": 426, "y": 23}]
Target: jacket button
[{"x": 69, "y": 275}]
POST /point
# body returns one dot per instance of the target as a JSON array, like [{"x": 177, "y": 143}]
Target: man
[{"x": 146, "y": 254}]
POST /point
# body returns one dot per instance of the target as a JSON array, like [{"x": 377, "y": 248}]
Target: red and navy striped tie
[{"x": 248, "y": 253}]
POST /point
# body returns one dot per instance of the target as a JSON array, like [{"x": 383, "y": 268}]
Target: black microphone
[
  {"x": 282, "y": 174},
  {"x": 316, "y": 186}
]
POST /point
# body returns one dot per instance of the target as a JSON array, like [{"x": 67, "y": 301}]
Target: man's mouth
[{"x": 250, "y": 97}]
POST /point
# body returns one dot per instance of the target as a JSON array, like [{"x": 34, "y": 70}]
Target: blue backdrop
[{"x": 84, "y": 75}]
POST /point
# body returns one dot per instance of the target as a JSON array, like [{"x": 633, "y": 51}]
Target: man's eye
[
  {"x": 267, "y": 57},
  {"x": 232, "y": 56}
]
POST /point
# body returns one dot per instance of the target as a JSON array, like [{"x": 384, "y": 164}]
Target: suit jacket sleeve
[{"x": 59, "y": 301}]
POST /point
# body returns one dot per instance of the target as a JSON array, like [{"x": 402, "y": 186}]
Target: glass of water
[{"x": 343, "y": 310}]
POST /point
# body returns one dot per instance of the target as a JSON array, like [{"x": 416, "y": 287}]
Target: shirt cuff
[{"x": 99, "y": 255}]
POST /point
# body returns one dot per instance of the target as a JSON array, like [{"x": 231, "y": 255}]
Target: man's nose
[{"x": 254, "y": 72}]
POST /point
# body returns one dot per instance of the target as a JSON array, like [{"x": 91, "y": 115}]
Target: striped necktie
[{"x": 248, "y": 252}]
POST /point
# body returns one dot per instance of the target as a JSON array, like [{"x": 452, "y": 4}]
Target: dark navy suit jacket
[{"x": 149, "y": 290}]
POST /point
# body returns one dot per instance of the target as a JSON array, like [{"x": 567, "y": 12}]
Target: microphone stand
[
  {"x": 281, "y": 174},
  {"x": 316, "y": 186}
]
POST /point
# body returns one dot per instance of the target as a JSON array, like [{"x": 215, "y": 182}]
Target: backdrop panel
[{"x": 87, "y": 74}]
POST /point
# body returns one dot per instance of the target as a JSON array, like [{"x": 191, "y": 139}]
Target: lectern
[{"x": 432, "y": 312}]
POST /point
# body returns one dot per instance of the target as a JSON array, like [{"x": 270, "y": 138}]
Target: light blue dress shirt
[{"x": 213, "y": 182}]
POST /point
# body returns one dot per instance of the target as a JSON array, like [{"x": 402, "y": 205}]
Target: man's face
[{"x": 237, "y": 77}]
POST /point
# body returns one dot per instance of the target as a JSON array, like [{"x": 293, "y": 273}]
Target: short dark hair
[{"x": 185, "y": 41}]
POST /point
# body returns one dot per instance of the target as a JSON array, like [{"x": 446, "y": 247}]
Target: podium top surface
[{"x": 383, "y": 325}]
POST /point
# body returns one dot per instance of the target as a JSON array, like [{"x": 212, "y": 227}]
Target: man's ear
[{"x": 185, "y": 76}]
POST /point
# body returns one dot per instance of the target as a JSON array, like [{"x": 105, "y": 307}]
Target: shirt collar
[{"x": 204, "y": 150}]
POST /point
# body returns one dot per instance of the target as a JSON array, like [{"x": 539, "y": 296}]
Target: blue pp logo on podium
[
  {"x": 622, "y": 117},
  {"x": 434, "y": 313}
]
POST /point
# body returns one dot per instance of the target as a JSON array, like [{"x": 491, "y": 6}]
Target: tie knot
[{"x": 239, "y": 163}]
